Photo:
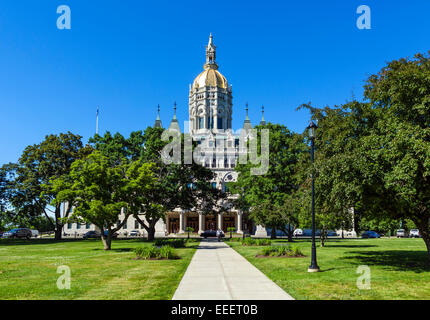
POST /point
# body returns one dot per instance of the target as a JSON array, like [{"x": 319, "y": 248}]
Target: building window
[
  {"x": 201, "y": 123},
  {"x": 125, "y": 225},
  {"x": 136, "y": 224},
  {"x": 210, "y": 122},
  {"x": 87, "y": 225},
  {"x": 225, "y": 163},
  {"x": 78, "y": 225},
  {"x": 214, "y": 185},
  {"x": 230, "y": 144},
  {"x": 236, "y": 142},
  {"x": 220, "y": 123},
  {"x": 211, "y": 144},
  {"x": 69, "y": 226}
]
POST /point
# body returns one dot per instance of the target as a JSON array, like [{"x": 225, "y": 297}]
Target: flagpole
[{"x": 97, "y": 121}]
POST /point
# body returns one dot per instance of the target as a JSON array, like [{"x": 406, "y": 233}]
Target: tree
[
  {"x": 30, "y": 192},
  {"x": 266, "y": 194},
  {"x": 376, "y": 153},
  {"x": 177, "y": 185},
  {"x": 99, "y": 191}
]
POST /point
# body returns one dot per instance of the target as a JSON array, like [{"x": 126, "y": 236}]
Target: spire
[
  {"x": 247, "y": 124},
  {"x": 262, "y": 122},
  {"x": 158, "y": 121},
  {"x": 210, "y": 55},
  {"x": 174, "y": 125}
]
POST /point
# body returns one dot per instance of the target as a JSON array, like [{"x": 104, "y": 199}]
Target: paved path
[{"x": 217, "y": 272}]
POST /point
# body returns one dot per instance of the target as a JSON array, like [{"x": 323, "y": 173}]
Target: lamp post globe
[{"x": 314, "y": 266}]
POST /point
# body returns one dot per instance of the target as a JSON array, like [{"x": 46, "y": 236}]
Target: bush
[
  {"x": 164, "y": 252},
  {"x": 175, "y": 243},
  {"x": 256, "y": 242},
  {"x": 281, "y": 251}
]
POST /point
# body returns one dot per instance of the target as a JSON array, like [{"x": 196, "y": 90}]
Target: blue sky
[{"x": 129, "y": 56}]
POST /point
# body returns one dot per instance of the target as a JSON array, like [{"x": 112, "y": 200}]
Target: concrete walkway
[{"x": 217, "y": 272}]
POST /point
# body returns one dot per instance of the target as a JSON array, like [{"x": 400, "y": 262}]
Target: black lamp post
[{"x": 314, "y": 266}]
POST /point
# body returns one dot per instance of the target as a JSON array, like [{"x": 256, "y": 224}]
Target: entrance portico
[{"x": 178, "y": 221}]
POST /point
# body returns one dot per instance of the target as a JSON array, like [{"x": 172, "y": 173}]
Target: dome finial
[
  {"x": 158, "y": 121},
  {"x": 210, "y": 54},
  {"x": 247, "y": 123},
  {"x": 262, "y": 122},
  {"x": 174, "y": 108}
]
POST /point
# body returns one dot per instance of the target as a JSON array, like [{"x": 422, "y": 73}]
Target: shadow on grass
[
  {"x": 328, "y": 245},
  {"x": 398, "y": 260}
]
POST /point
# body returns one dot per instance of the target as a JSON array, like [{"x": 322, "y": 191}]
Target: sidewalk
[{"x": 217, "y": 272}]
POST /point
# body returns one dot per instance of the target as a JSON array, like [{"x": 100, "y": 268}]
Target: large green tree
[
  {"x": 99, "y": 191},
  {"x": 30, "y": 193},
  {"x": 376, "y": 153},
  {"x": 266, "y": 196},
  {"x": 177, "y": 184}
]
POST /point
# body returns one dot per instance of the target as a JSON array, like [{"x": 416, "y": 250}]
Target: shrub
[
  {"x": 167, "y": 252},
  {"x": 175, "y": 243},
  {"x": 256, "y": 242},
  {"x": 164, "y": 252},
  {"x": 281, "y": 251}
]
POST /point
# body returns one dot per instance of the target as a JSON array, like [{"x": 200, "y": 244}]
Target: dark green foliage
[
  {"x": 150, "y": 252},
  {"x": 174, "y": 243},
  {"x": 255, "y": 242},
  {"x": 283, "y": 250}
]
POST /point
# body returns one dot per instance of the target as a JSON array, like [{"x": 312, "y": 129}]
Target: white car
[
  {"x": 414, "y": 233},
  {"x": 298, "y": 233},
  {"x": 134, "y": 233},
  {"x": 401, "y": 233},
  {"x": 35, "y": 233}
]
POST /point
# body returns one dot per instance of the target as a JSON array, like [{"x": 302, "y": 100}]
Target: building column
[
  {"x": 220, "y": 221},
  {"x": 181, "y": 222},
  {"x": 239, "y": 222},
  {"x": 201, "y": 223}
]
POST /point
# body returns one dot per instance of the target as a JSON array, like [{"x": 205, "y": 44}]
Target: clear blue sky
[{"x": 129, "y": 56}]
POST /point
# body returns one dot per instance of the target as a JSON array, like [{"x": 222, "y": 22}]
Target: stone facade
[{"x": 210, "y": 124}]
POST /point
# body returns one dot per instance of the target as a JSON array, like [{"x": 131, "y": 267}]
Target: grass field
[
  {"x": 28, "y": 270},
  {"x": 397, "y": 266}
]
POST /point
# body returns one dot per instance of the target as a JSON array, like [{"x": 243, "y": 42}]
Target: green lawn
[
  {"x": 28, "y": 270},
  {"x": 398, "y": 269}
]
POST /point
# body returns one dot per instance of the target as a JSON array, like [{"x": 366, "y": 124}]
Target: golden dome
[{"x": 210, "y": 77}]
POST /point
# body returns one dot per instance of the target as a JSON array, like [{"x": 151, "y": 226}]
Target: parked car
[
  {"x": 134, "y": 233},
  {"x": 91, "y": 235},
  {"x": 370, "y": 234},
  {"x": 18, "y": 233},
  {"x": 114, "y": 235},
  {"x": 308, "y": 232},
  {"x": 298, "y": 233},
  {"x": 414, "y": 233},
  {"x": 401, "y": 233},
  {"x": 331, "y": 233},
  {"x": 210, "y": 233},
  {"x": 34, "y": 233}
]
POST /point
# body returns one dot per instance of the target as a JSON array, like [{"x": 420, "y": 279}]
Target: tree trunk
[
  {"x": 58, "y": 225},
  {"x": 273, "y": 233},
  {"x": 107, "y": 241},
  {"x": 424, "y": 228},
  {"x": 151, "y": 233},
  {"x": 290, "y": 234},
  {"x": 427, "y": 242},
  {"x": 322, "y": 237}
]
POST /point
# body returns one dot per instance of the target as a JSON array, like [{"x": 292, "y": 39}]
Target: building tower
[{"x": 210, "y": 98}]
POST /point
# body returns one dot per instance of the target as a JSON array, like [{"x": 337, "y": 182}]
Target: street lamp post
[{"x": 314, "y": 266}]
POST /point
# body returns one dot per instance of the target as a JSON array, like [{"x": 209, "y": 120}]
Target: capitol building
[{"x": 210, "y": 124}]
